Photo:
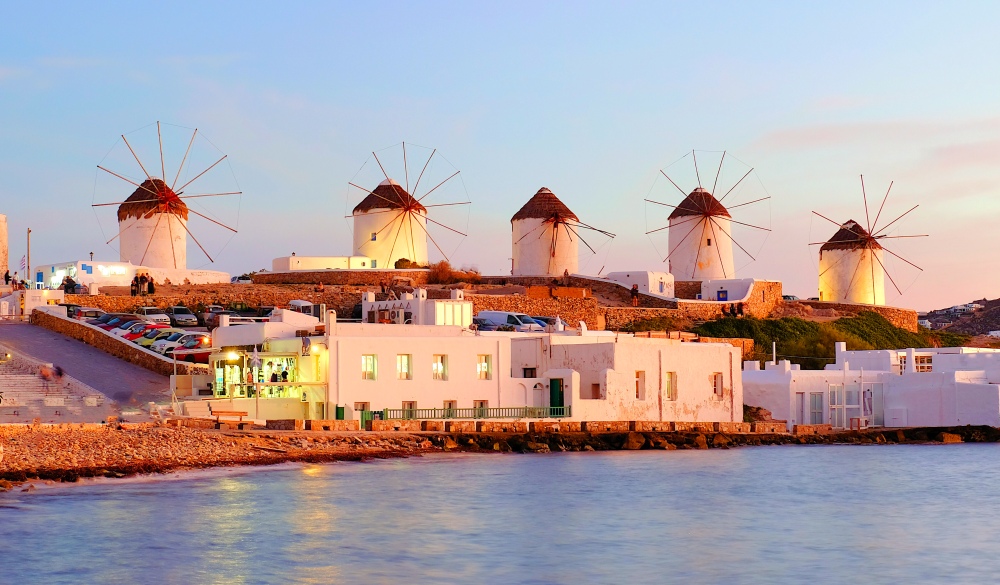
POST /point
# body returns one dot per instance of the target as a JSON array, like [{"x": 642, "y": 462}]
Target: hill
[{"x": 811, "y": 344}]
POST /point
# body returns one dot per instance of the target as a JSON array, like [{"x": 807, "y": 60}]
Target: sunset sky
[{"x": 588, "y": 99}]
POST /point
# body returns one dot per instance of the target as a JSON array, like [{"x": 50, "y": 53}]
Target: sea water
[{"x": 822, "y": 514}]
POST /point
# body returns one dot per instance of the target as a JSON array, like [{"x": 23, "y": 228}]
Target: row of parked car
[
  {"x": 507, "y": 321},
  {"x": 157, "y": 335}
]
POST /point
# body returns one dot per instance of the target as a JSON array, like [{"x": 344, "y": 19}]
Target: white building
[
  {"x": 390, "y": 224},
  {"x": 654, "y": 283},
  {"x": 416, "y": 309},
  {"x": 448, "y": 371},
  {"x": 543, "y": 244},
  {"x": 892, "y": 388},
  {"x": 96, "y": 273},
  {"x": 314, "y": 263},
  {"x": 700, "y": 239},
  {"x": 850, "y": 267}
]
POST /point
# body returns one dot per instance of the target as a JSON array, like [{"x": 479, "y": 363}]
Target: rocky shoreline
[{"x": 66, "y": 453}]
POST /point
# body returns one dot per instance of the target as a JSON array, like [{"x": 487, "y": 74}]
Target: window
[
  {"x": 360, "y": 406},
  {"x": 924, "y": 363},
  {"x": 439, "y": 367},
  {"x": 481, "y": 405},
  {"x": 450, "y": 404},
  {"x": 409, "y": 405},
  {"x": 837, "y": 406},
  {"x": 640, "y": 385},
  {"x": 530, "y": 372},
  {"x": 404, "y": 367},
  {"x": 484, "y": 367},
  {"x": 512, "y": 320},
  {"x": 717, "y": 384},
  {"x": 369, "y": 367},
  {"x": 595, "y": 392},
  {"x": 374, "y": 263},
  {"x": 816, "y": 408},
  {"x": 374, "y": 234},
  {"x": 670, "y": 386}
]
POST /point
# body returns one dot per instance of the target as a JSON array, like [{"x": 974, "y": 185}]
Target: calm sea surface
[{"x": 825, "y": 514}]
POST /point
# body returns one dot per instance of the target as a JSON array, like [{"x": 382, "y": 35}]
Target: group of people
[
  {"x": 68, "y": 285},
  {"x": 142, "y": 285},
  {"x": 14, "y": 282}
]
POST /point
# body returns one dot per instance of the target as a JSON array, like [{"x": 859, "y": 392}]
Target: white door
[{"x": 799, "y": 418}]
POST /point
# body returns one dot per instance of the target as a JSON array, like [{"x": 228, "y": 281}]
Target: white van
[{"x": 519, "y": 321}]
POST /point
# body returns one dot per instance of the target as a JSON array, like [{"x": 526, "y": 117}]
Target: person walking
[{"x": 635, "y": 295}]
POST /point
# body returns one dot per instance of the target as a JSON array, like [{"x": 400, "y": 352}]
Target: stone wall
[
  {"x": 687, "y": 289},
  {"x": 571, "y": 310},
  {"x": 598, "y": 286},
  {"x": 902, "y": 318},
  {"x": 341, "y": 298},
  {"x": 110, "y": 344},
  {"x": 764, "y": 297},
  {"x": 350, "y": 277}
]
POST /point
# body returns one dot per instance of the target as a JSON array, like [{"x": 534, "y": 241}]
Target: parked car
[
  {"x": 519, "y": 321},
  {"x": 551, "y": 321},
  {"x": 128, "y": 327},
  {"x": 789, "y": 298},
  {"x": 182, "y": 317},
  {"x": 167, "y": 344},
  {"x": 138, "y": 332},
  {"x": 115, "y": 322},
  {"x": 199, "y": 357},
  {"x": 206, "y": 314},
  {"x": 102, "y": 319},
  {"x": 154, "y": 314},
  {"x": 147, "y": 339},
  {"x": 483, "y": 324},
  {"x": 85, "y": 313},
  {"x": 213, "y": 319},
  {"x": 70, "y": 309}
]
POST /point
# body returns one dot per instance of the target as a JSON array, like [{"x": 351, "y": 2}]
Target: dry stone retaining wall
[
  {"x": 340, "y": 277},
  {"x": 902, "y": 318},
  {"x": 110, "y": 344}
]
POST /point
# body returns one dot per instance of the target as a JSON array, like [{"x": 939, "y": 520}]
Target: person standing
[
  {"x": 135, "y": 285},
  {"x": 142, "y": 284},
  {"x": 151, "y": 286},
  {"x": 6, "y": 277},
  {"x": 635, "y": 295}
]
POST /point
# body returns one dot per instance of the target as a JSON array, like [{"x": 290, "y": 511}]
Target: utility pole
[{"x": 28, "y": 278}]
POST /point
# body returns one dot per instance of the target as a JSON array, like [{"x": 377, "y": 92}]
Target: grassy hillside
[{"x": 810, "y": 344}]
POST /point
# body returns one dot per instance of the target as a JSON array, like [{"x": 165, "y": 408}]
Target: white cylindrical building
[
  {"x": 851, "y": 267},
  {"x": 543, "y": 245},
  {"x": 4, "y": 250},
  {"x": 390, "y": 224},
  {"x": 700, "y": 239},
  {"x": 151, "y": 224}
]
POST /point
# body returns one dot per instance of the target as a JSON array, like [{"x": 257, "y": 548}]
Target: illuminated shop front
[{"x": 84, "y": 272}]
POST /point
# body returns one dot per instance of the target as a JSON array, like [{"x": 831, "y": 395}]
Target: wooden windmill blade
[
  {"x": 168, "y": 213},
  {"x": 392, "y": 222},
  {"x": 859, "y": 249},
  {"x": 707, "y": 231}
]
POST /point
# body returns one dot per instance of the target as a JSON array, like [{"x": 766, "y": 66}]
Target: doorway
[{"x": 556, "y": 397}]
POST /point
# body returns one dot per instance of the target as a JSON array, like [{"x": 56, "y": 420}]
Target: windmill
[
  {"x": 153, "y": 222},
  {"x": 546, "y": 237},
  {"x": 699, "y": 229},
  {"x": 852, "y": 264},
  {"x": 393, "y": 222}
]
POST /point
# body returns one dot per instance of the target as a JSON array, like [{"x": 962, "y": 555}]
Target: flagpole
[{"x": 27, "y": 269}]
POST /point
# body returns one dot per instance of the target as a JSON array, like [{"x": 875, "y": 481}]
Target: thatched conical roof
[
  {"x": 545, "y": 205},
  {"x": 153, "y": 196},
  {"x": 851, "y": 236},
  {"x": 389, "y": 195},
  {"x": 700, "y": 202}
]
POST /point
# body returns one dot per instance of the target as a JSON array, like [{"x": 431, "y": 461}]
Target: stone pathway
[{"x": 119, "y": 380}]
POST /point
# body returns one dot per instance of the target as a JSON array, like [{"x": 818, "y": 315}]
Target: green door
[{"x": 556, "y": 399}]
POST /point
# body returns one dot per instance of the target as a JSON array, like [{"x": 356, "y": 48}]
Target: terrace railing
[{"x": 472, "y": 413}]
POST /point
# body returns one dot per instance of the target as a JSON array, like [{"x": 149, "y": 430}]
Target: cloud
[
  {"x": 866, "y": 133},
  {"x": 9, "y": 73}
]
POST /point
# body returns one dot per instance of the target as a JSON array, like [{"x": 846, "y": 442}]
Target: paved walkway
[{"x": 117, "y": 379}]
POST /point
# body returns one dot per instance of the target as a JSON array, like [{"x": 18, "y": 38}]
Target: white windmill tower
[
  {"x": 700, "y": 240},
  {"x": 153, "y": 221},
  {"x": 852, "y": 263},
  {"x": 392, "y": 222},
  {"x": 389, "y": 210},
  {"x": 545, "y": 237}
]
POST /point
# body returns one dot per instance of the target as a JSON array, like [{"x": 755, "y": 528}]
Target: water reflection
[{"x": 765, "y": 515}]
